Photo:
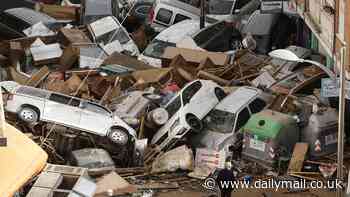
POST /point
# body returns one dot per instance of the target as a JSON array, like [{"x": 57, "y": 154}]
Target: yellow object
[{"x": 20, "y": 160}]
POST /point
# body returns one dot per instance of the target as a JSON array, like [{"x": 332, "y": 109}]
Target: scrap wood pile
[{"x": 111, "y": 124}]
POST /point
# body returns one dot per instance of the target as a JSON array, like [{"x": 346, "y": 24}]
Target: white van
[
  {"x": 165, "y": 13},
  {"x": 168, "y": 38}
]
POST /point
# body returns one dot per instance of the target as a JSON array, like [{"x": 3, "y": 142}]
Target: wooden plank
[
  {"x": 204, "y": 75},
  {"x": 38, "y": 77},
  {"x": 299, "y": 153},
  {"x": 59, "y": 12},
  {"x": 3, "y": 141}
]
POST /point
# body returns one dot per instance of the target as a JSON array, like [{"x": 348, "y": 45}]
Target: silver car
[{"x": 33, "y": 105}]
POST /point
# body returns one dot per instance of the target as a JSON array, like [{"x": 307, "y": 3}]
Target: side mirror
[{"x": 237, "y": 11}]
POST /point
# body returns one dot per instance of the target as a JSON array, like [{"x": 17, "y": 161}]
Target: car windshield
[
  {"x": 157, "y": 48},
  {"x": 220, "y": 7},
  {"x": 220, "y": 121}
]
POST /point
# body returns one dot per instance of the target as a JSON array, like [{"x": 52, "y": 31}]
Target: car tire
[
  {"x": 28, "y": 115},
  {"x": 194, "y": 122},
  {"x": 152, "y": 97},
  {"x": 118, "y": 136}
]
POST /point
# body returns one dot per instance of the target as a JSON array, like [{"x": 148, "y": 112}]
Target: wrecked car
[
  {"x": 33, "y": 105},
  {"x": 92, "y": 10},
  {"x": 229, "y": 116},
  {"x": 217, "y": 37},
  {"x": 14, "y": 21},
  {"x": 186, "y": 110},
  {"x": 154, "y": 51},
  {"x": 166, "y": 13},
  {"x": 112, "y": 36}
]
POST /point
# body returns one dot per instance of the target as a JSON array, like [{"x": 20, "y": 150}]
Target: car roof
[
  {"x": 100, "y": 7},
  {"x": 260, "y": 23},
  {"x": 30, "y": 16},
  {"x": 181, "y": 5},
  {"x": 234, "y": 101},
  {"x": 179, "y": 31}
]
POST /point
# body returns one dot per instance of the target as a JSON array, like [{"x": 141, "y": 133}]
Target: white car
[
  {"x": 33, "y": 105},
  {"x": 229, "y": 116},
  {"x": 153, "y": 53},
  {"x": 186, "y": 110}
]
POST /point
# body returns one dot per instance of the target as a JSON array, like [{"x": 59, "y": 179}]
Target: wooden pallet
[{"x": 151, "y": 153}]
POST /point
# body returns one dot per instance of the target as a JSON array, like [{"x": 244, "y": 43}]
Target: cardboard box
[
  {"x": 71, "y": 36},
  {"x": 193, "y": 56}
]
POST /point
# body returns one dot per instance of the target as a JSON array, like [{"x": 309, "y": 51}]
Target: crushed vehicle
[
  {"x": 13, "y": 21},
  {"x": 217, "y": 37},
  {"x": 18, "y": 3},
  {"x": 131, "y": 106},
  {"x": 33, "y": 105},
  {"x": 223, "y": 123},
  {"x": 154, "y": 51},
  {"x": 112, "y": 36},
  {"x": 166, "y": 13},
  {"x": 92, "y": 10},
  {"x": 186, "y": 111},
  {"x": 268, "y": 30},
  {"x": 141, "y": 9}
]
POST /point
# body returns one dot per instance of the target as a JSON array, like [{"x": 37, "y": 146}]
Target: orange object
[{"x": 20, "y": 160}]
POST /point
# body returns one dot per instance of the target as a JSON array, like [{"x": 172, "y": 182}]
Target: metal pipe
[
  {"x": 3, "y": 141},
  {"x": 340, "y": 153},
  {"x": 202, "y": 19},
  {"x": 328, "y": 71}
]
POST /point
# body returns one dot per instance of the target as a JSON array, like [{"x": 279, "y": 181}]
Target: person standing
[{"x": 226, "y": 175}]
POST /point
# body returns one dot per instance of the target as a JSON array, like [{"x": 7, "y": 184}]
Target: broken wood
[
  {"x": 3, "y": 140},
  {"x": 206, "y": 63},
  {"x": 299, "y": 153},
  {"x": 38, "y": 77},
  {"x": 58, "y": 12},
  {"x": 204, "y": 75}
]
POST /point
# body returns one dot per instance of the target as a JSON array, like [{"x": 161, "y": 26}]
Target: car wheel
[
  {"x": 152, "y": 97},
  {"x": 28, "y": 115},
  {"x": 194, "y": 122},
  {"x": 119, "y": 136}
]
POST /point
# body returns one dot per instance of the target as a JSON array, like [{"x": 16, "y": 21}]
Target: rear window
[
  {"x": 32, "y": 92},
  {"x": 164, "y": 16},
  {"x": 180, "y": 17}
]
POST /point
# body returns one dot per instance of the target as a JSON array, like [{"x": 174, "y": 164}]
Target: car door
[
  {"x": 62, "y": 109},
  {"x": 95, "y": 118}
]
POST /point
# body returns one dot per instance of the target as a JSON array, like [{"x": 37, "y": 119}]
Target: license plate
[
  {"x": 331, "y": 139},
  {"x": 257, "y": 145}
]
